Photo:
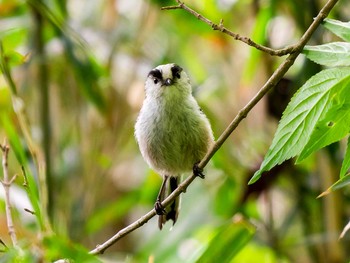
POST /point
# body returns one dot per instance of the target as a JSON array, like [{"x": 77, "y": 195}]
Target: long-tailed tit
[{"x": 172, "y": 132}]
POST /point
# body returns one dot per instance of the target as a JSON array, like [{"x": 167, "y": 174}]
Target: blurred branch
[
  {"x": 43, "y": 86},
  {"x": 6, "y": 183},
  {"x": 242, "y": 114},
  {"x": 220, "y": 27},
  {"x": 346, "y": 229}
]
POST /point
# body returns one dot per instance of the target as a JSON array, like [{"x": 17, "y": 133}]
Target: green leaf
[
  {"x": 57, "y": 247},
  {"x": 259, "y": 35},
  {"x": 334, "y": 54},
  {"x": 332, "y": 128},
  {"x": 346, "y": 162},
  {"x": 308, "y": 105},
  {"x": 342, "y": 182},
  {"x": 234, "y": 236},
  {"x": 335, "y": 124},
  {"x": 341, "y": 29}
]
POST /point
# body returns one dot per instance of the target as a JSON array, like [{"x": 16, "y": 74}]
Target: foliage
[
  {"x": 92, "y": 58},
  {"x": 319, "y": 113}
]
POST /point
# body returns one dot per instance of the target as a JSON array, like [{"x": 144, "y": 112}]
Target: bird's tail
[{"x": 172, "y": 211}]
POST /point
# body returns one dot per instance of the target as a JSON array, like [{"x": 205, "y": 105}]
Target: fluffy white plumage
[{"x": 172, "y": 132}]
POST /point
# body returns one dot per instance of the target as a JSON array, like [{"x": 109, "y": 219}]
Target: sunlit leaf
[
  {"x": 346, "y": 162},
  {"x": 331, "y": 55},
  {"x": 334, "y": 125},
  {"x": 301, "y": 116},
  {"x": 341, "y": 29}
]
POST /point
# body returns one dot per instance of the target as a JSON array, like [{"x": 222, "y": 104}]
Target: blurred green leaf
[
  {"x": 258, "y": 36},
  {"x": 4, "y": 67},
  {"x": 254, "y": 252},
  {"x": 346, "y": 162},
  {"x": 111, "y": 212},
  {"x": 302, "y": 114},
  {"x": 61, "y": 248},
  {"x": 334, "y": 54},
  {"x": 12, "y": 136},
  {"x": 341, "y": 29},
  {"x": 5, "y": 100},
  {"x": 228, "y": 241}
]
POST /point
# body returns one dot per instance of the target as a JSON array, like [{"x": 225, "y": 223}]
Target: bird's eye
[{"x": 155, "y": 81}]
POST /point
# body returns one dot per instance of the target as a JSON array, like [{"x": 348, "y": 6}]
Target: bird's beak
[{"x": 168, "y": 82}]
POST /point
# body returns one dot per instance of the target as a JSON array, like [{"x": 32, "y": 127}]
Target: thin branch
[
  {"x": 220, "y": 27},
  {"x": 273, "y": 80},
  {"x": 346, "y": 229},
  {"x": 6, "y": 183}
]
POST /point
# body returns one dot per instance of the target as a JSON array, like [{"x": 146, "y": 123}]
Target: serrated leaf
[
  {"x": 337, "y": 185},
  {"x": 341, "y": 29},
  {"x": 334, "y": 54},
  {"x": 301, "y": 116},
  {"x": 335, "y": 124},
  {"x": 346, "y": 162}
]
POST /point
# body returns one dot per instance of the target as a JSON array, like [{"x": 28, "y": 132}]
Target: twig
[
  {"x": 273, "y": 80},
  {"x": 346, "y": 229},
  {"x": 220, "y": 27},
  {"x": 6, "y": 183}
]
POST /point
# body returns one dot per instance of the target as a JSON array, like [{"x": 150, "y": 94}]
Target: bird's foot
[
  {"x": 159, "y": 208},
  {"x": 198, "y": 171}
]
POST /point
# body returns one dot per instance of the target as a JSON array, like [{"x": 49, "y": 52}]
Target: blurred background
[{"x": 71, "y": 95}]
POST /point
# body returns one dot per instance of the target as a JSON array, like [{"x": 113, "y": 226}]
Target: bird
[{"x": 172, "y": 132}]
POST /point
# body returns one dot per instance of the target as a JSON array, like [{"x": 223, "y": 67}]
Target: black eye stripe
[
  {"x": 176, "y": 70},
  {"x": 155, "y": 73}
]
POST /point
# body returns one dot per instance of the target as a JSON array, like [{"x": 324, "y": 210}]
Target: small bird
[{"x": 172, "y": 132}]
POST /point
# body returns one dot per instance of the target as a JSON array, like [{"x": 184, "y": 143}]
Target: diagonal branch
[
  {"x": 220, "y": 27},
  {"x": 242, "y": 114}
]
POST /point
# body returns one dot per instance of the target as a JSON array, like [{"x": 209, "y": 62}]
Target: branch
[
  {"x": 220, "y": 27},
  {"x": 6, "y": 183},
  {"x": 273, "y": 80},
  {"x": 44, "y": 91}
]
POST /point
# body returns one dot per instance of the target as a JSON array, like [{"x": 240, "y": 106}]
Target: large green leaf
[
  {"x": 331, "y": 55},
  {"x": 341, "y": 29},
  {"x": 346, "y": 162},
  {"x": 308, "y": 105},
  {"x": 335, "y": 124},
  {"x": 332, "y": 128}
]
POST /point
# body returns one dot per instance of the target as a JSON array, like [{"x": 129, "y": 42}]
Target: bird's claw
[
  {"x": 159, "y": 208},
  {"x": 198, "y": 171}
]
